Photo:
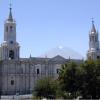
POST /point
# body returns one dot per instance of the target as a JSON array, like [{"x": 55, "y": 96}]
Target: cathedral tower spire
[
  {"x": 10, "y": 14},
  {"x": 10, "y": 47},
  {"x": 94, "y": 50},
  {"x": 93, "y": 30}
]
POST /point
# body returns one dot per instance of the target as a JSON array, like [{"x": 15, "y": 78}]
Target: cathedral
[{"x": 19, "y": 75}]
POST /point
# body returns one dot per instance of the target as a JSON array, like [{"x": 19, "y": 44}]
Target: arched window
[
  {"x": 57, "y": 70},
  {"x": 38, "y": 71},
  {"x": 11, "y": 42},
  {"x": 90, "y": 39},
  {"x": 12, "y": 82},
  {"x": 96, "y": 38},
  {"x": 11, "y": 28},
  {"x": 11, "y": 54},
  {"x": 98, "y": 57},
  {"x": 93, "y": 38}
]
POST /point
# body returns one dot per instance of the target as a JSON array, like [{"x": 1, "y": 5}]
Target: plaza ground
[{"x": 17, "y": 97}]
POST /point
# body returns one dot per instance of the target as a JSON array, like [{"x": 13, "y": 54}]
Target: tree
[
  {"x": 80, "y": 80},
  {"x": 46, "y": 88},
  {"x": 70, "y": 79},
  {"x": 91, "y": 80}
]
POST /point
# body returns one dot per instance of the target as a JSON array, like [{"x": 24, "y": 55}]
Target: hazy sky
[{"x": 46, "y": 24}]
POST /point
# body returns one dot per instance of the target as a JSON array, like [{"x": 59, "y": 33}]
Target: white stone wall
[{"x": 24, "y": 74}]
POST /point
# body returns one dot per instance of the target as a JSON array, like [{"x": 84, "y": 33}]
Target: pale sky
[{"x": 46, "y": 24}]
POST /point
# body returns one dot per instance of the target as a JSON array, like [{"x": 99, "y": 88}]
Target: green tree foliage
[
  {"x": 74, "y": 80},
  {"x": 91, "y": 80},
  {"x": 80, "y": 80},
  {"x": 45, "y": 88},
  {"x": 70, "y": 79}
]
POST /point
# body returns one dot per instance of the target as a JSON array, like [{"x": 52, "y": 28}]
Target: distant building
[
  {"x": 94, "y": 50},
  {"x": 19, "y": 75}
]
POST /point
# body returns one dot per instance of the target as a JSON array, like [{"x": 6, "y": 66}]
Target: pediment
[{"x": 58, "y": 58}]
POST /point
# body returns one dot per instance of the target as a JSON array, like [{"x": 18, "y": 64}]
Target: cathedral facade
[{"x": 19, "y": 75}]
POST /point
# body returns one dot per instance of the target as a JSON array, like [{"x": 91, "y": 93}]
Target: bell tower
[
  {"x": 10, "y": 48},
  {"x": 94, "y": 50}
]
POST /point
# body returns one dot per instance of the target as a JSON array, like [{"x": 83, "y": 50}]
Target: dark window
[
  {"x": 11, "y": 42},
  {"x": 12, "y": 82},
  {"x": 11, "y": 28},
  {"x": 98, "y": 57},
  {"x": 95, "y": 39},
  {"x": 11, "y": 54},
  {"x": 57, "y": 71},
  {"x": 97, "y": 48},
  {"x": 38, "y": 71}
]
